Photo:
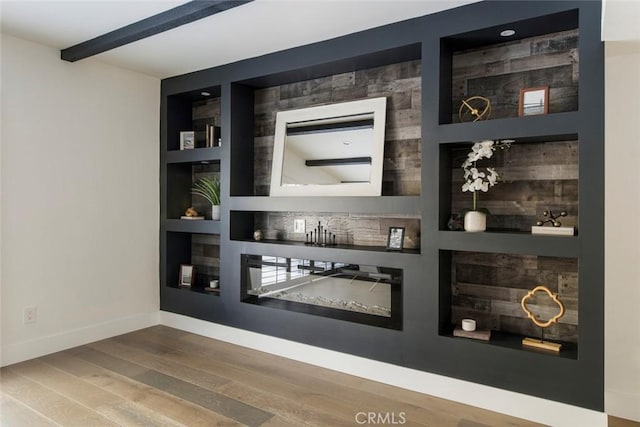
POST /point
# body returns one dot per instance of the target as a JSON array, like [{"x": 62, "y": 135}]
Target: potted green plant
[{"x": 209, "y": 189}]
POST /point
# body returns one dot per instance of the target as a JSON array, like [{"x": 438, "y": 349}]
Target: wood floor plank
[
  {"x": 417, "y": 407},
  {"x": 67, "y": 385},
  {"x": 49, "y": 403},
  {"x": 161, "y": 376},
  {"x": 155, "y": 360},
  {"x": 219, "y": 403},
  {"x": 342, "y": 401},
  {"x": 169, "y": 406},
  {"x": 621, "y": 422},
  {"x": 293, "y": 411},
  {"x": 130, "y": 414},
  {"x": 288, "y": 408},
  {"x": 13, "y": 413},
  {"x": 278, "y": 421},
  {"x": 440, "y": 406},
  {"x": 216, "y": 402},
  {"x": 275, "y": 387},
  {"x": 105, "y": 403}
]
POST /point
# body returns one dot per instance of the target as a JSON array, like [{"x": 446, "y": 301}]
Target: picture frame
[
  {"x": 186, "y": 276},
  {"x": 187, "y": 140},
  {"x": 395, "y": 239},
  {"x": 533, "y": 101}
]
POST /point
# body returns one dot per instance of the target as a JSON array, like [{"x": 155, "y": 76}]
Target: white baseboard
[
  {"x": 19, "y": 352},
  {"x": 494, "y": 399},
  {"x": 622, "y": 404}
]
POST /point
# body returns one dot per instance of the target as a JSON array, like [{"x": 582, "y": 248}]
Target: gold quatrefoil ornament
[{"x": 541, "y": 343}]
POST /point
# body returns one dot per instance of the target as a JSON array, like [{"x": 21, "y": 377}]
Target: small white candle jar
[{"x": 468, "y": 325}]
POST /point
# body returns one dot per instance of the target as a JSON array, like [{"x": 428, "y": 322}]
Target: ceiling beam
[{"x": 172, "y": 18}]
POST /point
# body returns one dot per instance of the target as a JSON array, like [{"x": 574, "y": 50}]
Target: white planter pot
[
  {"x": 475, "y": 221},
  {"x": 215, "y": 212}
]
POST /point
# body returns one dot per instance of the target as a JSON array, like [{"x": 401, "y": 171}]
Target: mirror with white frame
[{"x": 330, "y": 150}]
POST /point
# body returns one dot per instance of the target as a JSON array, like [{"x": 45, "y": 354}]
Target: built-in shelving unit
[
  {"x": 193, "y": 242},
  {"x": 425, "y": 67}
]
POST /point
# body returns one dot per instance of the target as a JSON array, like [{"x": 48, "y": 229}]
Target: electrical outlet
[
  {"x": 30, "y": 314},
  {"x": 299, "y": 226}
]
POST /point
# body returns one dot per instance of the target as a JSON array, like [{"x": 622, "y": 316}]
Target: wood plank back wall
[
  {"x": 205, "y": 248},
  {"x": 550, "y": 60},
  {"x": 489, "y": 287},
  {"x": 536, "y": 177},
  {"x": 205, "y": 256},
  {"x": 350, "y": 228},
  {"x": 401, "y": 84}
]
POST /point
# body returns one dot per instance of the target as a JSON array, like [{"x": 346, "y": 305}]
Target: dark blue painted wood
[
  {"x": 172, "y": 18},
  {"x": 423, "y": 343}
]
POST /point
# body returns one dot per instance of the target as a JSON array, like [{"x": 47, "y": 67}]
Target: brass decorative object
[
  {"x": 475, "y": 108},
  {"x": 541, "y": 343}
]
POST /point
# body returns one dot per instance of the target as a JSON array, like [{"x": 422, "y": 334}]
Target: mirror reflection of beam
[
  {"x": 339, "y": 162},
  {"x": 338, "y": 149},
  {"x": 337, "y": 123}
]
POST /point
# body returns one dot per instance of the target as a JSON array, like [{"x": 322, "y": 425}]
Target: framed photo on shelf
[
  {"x": 534, "y": 101},
  {"x": 187, "y": 140},
  {"x": 186, "y": 275},
  {"x": 395, "y": 239}
]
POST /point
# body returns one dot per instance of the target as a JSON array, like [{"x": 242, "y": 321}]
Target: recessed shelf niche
[
  {"x": 488, "y": 288},
  {"x": 542, "y": 52},
  {"x": 395, "y": 73},
  {"x": 180, "y": 179},
  {"x": 537, "y": 174},
  {"x": 352, "y": 230},
  {"x": 193, "y": 111},
  {"x": 200, "y": 250}
]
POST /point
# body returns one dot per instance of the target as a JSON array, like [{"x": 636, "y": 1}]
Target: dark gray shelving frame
[{"x": 422, "y": 343}]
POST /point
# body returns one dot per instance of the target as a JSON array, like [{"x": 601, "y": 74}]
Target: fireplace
[{"x": 353, "y": 292}]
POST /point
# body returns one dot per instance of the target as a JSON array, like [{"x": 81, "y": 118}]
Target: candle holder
[{"x": 320, "y": 236}]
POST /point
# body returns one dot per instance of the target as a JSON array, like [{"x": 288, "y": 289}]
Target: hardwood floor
[{"x": 161, "y": 376}]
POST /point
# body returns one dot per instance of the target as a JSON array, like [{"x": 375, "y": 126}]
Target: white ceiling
[
  {"x": 246, "y": 31},
  {"x": 253, "y": 29}
]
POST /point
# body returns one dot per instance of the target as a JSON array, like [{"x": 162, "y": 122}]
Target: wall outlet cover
[
  {"x": 299, "y": 226},
  {"x": 30, "y": 315}
]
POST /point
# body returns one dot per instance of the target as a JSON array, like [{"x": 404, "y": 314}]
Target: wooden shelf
[
  {"x": 514, "y": 342},
  {"x": 332, "y": 247},
  {"x": 402, "y": 205},
  {"x": 510, "y": 242},
  {"x": 556, "y": 126},
  {"x": 192, "y": 226},
  {"x": 197, "y": 155},
  {"x": 198, "y": 290}
]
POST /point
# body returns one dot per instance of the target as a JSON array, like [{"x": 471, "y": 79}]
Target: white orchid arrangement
[{"x": 476, "y": 180}]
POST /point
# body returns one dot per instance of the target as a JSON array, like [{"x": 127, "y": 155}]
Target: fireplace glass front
[{"x": 353, "y": 292}]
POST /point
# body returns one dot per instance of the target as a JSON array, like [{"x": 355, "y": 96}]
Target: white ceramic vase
[
  {"x": 475, "y": 221},
  {"x": 215, "y": 212}
]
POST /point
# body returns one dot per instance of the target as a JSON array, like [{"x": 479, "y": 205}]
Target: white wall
[
  {"x": 622, "y": 242},
  {"x": 80, "y": 197}
]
